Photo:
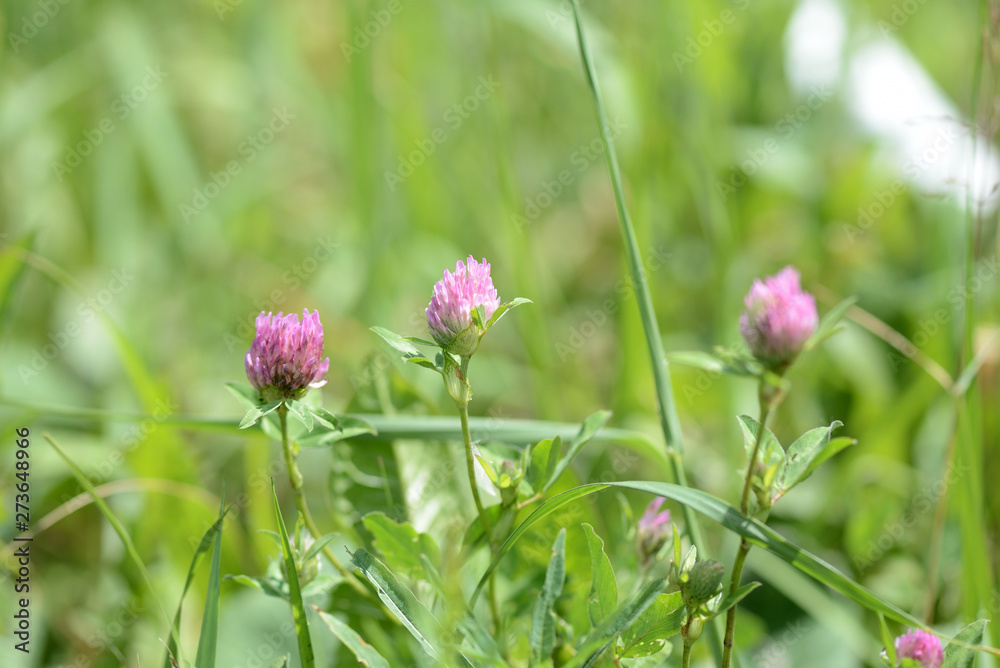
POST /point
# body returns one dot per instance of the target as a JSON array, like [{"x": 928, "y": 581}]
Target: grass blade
[
  {"x": 209, "y": 638},
  {"x": 669, "y": 421},
  {"x": 206, "y": 542},
  {"x": 365, "y": 653},
  {"x": 119, "y": 529},
  {"x": 295, "y": 593}
]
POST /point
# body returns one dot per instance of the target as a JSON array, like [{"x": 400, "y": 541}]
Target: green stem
[
  {"x": 295, "y": 479},
  {"x": 470, "y": 462},
  {"x": 669, "y": 422},
  {"x": 741, "y": 555},
  {"x": 687, "y": 642}
]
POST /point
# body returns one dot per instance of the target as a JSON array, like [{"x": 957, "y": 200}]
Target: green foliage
[{"x": 543, "y": 619}]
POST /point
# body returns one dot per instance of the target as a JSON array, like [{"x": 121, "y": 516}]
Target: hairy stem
[
  {"x": 744, "y": 550},
  {"x": 295, "y": 479}
]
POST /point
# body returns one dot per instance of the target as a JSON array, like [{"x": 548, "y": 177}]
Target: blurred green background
[{"x": 174, "y": 168}]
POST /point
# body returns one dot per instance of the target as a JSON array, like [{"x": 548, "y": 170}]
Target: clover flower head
[
  {"x": 653, "y": 528},
  {"x": 286, "y": 356},
  {"x": 922, "y": 646},
  {"x": 780, "y": 316},
  {"x": 456, "y": 296}
]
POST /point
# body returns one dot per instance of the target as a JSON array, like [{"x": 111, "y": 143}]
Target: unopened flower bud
[{"x": 705, "y": 580}]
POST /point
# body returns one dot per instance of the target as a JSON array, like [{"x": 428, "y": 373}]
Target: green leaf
[
  {"x": 503, "y": 308},
  {"x": 800, "y": 461},
  {"x": 649, "y": 634},
  {"x": 543, "y": 621},
  {"x": 318, "y": 544},
  {"x": 734, "y": 597},
  {"x": 326, "y": 418},
  {"x": 295, "y": 594},
  {"x": 956, "y": 655},
  {"x": 598, "y": 640},
  {"x": 350, "y": 427},
  {"x": 770, "y": 452},
  {"x": 209, "y": 639},
  {"x": 401, "y": 545},
  {"x": 604, "y": 587},
  {"x": 731, "y": 519},
  {"x": 403, "y": 346},
  {"x": 257, "y": 412},
  {"x": 301, "y": 412},
  {"x": 260, "y": 584},
  {"x": 401, "y": 602},
  {"x": 828, "y": 325},
  {"x": 542, "y": 461},
  {"x": 588, "y": 430},
  {"x": 364, "y": 652}
]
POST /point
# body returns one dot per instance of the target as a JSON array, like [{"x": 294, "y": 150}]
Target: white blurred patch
[
  {"x": 890, "y": 95},
  {"x": 814, "y": 45}
]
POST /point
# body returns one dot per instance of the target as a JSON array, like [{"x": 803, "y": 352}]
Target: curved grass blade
[
  {"x": 365, "y": 653},
  {"x": 730, "y": 518},
  {"x": 209, "y": 638},
  {"x": 119, "y": 529},
  {"x": 295, "y": 593}
]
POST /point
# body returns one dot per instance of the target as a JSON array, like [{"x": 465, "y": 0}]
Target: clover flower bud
[
  {"x": 922, "y": 646},
  {"x": 456, "y": 296},
  {"x": 653, "y": 529},
  {"x": 779, "y": 318}
]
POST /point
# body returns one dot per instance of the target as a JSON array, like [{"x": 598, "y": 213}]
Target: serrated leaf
[
  {"x": 503, "y": 308},
  {"x": 593, "y": 424},
  {"x": 350, "y": 427},
  {"x": 365, "y": 653},
  {"x": 771, "y": 452},
  {"x": 325, "y": 418},
  {"x": 598, "y": 640},
  {"x": 257, "y": 412},
  {"x": 404, "y": 346},
  {"x": 649, "y": 634},
  {"x": 957, "y": 656},
  {"x": 802, "y": 454},
  {"x": 543, "y": 619},
  {"x": 301, "y": 412},
  {"x": 401, "y": 545},
  {"x": 604, "y": 587},
  {"x": 542, "y": 462}
]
